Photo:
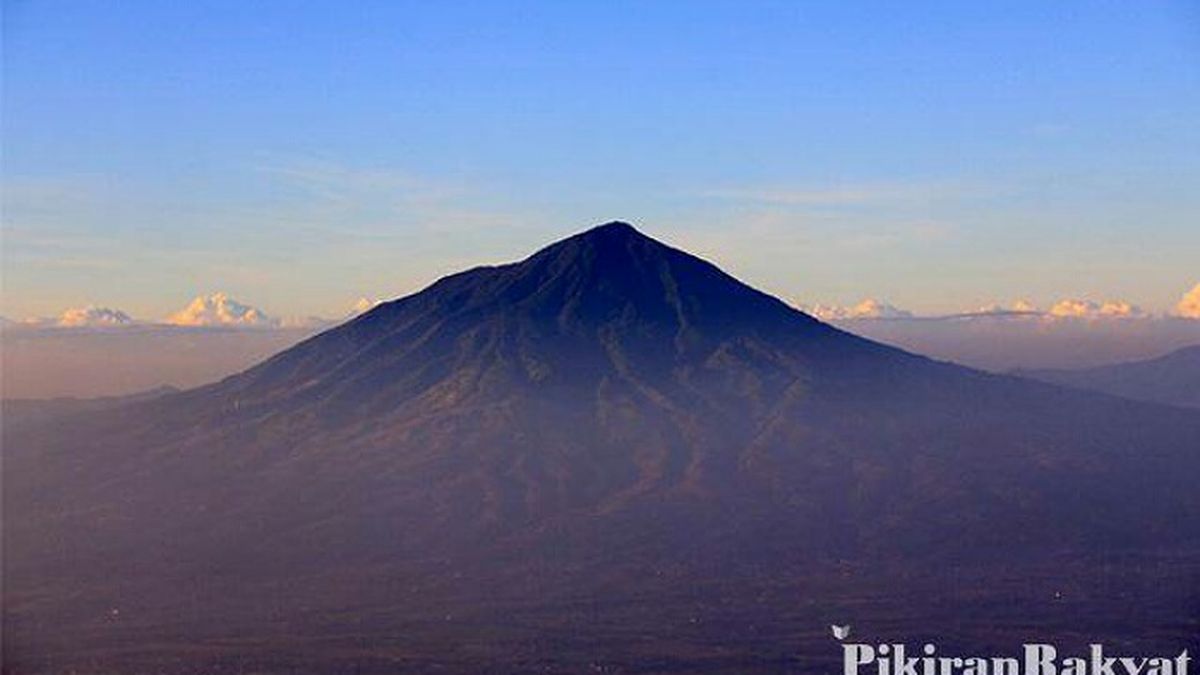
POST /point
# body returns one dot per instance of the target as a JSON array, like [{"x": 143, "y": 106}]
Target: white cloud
[
  {"x": 1189, "y": 304},
  {"x": 363, "y": 305},
  {"x": 1018, "y": 308},
  {"x": 93, "y": 316},
  {"x": 219, "y": 309},
  {"x": 1121, "y": 309},
  {"x": 869, "y": 308},
  {"x": 1065, "y": 309},
  {"x": 1068, "y": 309},
  {"x": 1023, "y": 306},
  {"x": 76, "y": 317},
  {"x": 1073, "y": 308}
]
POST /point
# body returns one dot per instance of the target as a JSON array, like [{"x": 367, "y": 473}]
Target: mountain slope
[
  {"x": 610, "y": 454},
  {"x": 1173, "y": 378}
]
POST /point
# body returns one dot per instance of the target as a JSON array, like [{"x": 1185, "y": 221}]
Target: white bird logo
[{"x": 841, "y": 632}]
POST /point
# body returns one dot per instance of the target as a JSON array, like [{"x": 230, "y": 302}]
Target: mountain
[
  {"x": 608, "y": 457},
  {"x": 1173, "y": 378}
]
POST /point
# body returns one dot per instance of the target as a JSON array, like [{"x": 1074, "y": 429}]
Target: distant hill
[
  {"x": 1173, "y": 378},
  {"x": 22, "y": 411},
  {"x": 608, "y": 457}
]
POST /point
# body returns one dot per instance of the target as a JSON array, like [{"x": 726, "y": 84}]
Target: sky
[{"x": 298, "y": 156}]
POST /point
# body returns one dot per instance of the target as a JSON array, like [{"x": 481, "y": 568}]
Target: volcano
[{"x": 608, "y": 457}]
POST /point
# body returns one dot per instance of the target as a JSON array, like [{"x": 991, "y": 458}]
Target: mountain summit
[
  {"x": 608, "y": 306},
  {"x": 607, "y": 455}
]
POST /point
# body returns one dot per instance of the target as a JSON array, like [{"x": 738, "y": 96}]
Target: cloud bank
[
  {"x": 1070, "y": 333},
  {"x": 90, "y": 316},
  {"x": 93, "y": 316},
  {"x": 870, "y": 308},
  {"x": 1087, "y": 309},
  {"x": 218, "y": 309},
  {"x": 1065, "y": 309},
  {"x": 363, "y": 305},
  {"x": 1189, "y": 304}
]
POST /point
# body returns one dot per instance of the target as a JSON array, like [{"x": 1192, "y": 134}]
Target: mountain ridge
[{"x": 1172, "y": 378}]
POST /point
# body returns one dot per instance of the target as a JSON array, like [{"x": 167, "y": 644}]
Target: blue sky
[{"x": 941, "y": 156}]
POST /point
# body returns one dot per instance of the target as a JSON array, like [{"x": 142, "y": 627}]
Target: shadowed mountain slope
[
  {"x": 1173, "y": 378},
  {"x": 609, "y": 455}
]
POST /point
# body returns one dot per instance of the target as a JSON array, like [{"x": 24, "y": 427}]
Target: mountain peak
[
  {"x": 589, "y": 308},
  {"x": 613, "y": 228},
  {"x": 613, "y": 235},
  {"x": 613, "y": 272}
]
